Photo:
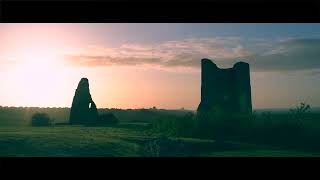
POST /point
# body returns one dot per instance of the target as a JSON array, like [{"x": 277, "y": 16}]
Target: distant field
[
  {"x": 21, "y": 116},
  {"x": 134, "y": 136},
  {"x": 120, "y": 141}
]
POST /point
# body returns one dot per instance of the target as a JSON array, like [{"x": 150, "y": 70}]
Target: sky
[{"x": 146, "y": 65}]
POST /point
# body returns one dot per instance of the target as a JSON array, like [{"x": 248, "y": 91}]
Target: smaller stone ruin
[{"x": 83, "y": 109}]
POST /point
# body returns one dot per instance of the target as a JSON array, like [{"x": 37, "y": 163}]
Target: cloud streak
[
  {"x": 183, "y": 53},
  {"x": 293, "y": 54},
  {"x": 281, "y": 55}
]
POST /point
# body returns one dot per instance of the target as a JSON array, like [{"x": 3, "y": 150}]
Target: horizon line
[{"x": 150, "y": 108}]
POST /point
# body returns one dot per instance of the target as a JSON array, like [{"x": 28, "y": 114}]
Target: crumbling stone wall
[
  {"x": 225, "y": 90},
  {"x": 83, "y": 109}
]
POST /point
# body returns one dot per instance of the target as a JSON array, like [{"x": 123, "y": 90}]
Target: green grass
[
  {"x": 124, "y": 140},
  {"x": 260, "y": 153},
  {"x": 69, "y": 141}
]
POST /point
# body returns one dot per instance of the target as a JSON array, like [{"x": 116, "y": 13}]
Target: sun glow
[{"x": 38, "y": 75}]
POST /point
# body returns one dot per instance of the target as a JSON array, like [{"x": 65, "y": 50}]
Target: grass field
[
  {"x": 69, "y": 141},
  {"x": 260, "y": 153},
  {"x": 119, "y": 141}
]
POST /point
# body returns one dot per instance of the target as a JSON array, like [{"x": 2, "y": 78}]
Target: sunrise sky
[{"x": 146, "y": 65}]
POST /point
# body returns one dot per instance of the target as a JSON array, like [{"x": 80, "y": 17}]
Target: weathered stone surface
[
  {"x": 225, "y": 90},
  {"x": 94, "y": 116},
  {"x": 83, "y": 109}
]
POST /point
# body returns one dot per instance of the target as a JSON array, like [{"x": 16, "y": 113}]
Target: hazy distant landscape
[
  {"x": 150, "y": 132},
  {"x": 21, "y": 116}
]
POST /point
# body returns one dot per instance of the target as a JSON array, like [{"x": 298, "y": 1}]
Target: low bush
[
  {"x": 222, "y": 126},
  {"x": 107, "y": 119},
  {"x": 296, "y": 129},
  {"x": 41, "y": 119},
  {"x": 163, "y": 147},
  {"x": 175, "y": 126}
]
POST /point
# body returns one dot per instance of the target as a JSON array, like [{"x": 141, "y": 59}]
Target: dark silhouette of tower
[
  {"x": 83, "y": 109},
  {"x": 225, "y": 90}
]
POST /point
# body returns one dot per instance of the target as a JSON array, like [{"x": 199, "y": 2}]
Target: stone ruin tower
[
  {"x": 225, "y": 90},
  {"x": 83, "y": 109}
]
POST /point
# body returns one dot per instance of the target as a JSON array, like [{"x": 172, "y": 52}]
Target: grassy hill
[
  {"x": 123, "y": 140},
  {"x": 157, "y": 132}
]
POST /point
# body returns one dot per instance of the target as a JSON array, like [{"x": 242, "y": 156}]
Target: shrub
[
  {"x": 175, "y": 126},
  {"x": 41, "y": 119},
  {"x": 165, "y": 126},
  {"x": 185, "y": 125},
  {"x": 290, "y": 130},
  {"x": 222, "y": 126},
  {"x": 151, "y": 149},
  {"x": 107, "y": 119},
  {"x": 299, "y": 113},
  {"x": 287, "y": 130},
  {"x": 267, "y": 119},
  {"x": 164, "y": 147}
]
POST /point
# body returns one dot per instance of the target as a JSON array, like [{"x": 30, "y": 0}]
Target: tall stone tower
[
  {"x": 83, "y": 109},
  {"x": 225, "y": 90}
]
